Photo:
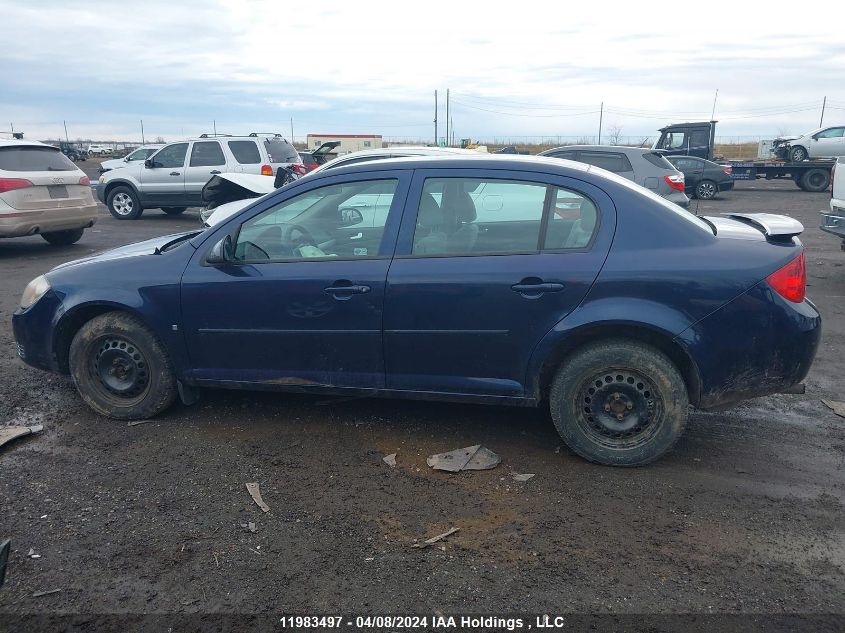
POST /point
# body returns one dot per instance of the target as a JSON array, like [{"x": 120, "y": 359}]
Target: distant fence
[{"x": 581, "y": 139}]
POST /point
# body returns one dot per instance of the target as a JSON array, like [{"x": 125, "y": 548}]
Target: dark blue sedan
[{"x": 506, "y": 280}]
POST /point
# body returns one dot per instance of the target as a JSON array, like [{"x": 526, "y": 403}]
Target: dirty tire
[
  {"x": 120, "y": 368},
  {"x": 815, "y": 180},
  {"x": 123, "y": 203},
  {"x": 173, "y": 210},
  {"x": 63, "y": 238},
  {"x": 615, "y": 374}
]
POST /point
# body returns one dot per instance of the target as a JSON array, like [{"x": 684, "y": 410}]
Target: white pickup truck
[{"x": 833, "y": 221}]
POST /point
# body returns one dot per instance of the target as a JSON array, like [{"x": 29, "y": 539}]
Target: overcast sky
[{"x": 514, "y": 68}]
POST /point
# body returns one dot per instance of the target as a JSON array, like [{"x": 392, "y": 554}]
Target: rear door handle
[
  {"x": 535, "y": 289},
  {"x": 175, "y": 173}
]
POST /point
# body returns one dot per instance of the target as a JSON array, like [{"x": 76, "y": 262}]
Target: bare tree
[
  {"x": 160, "y": 139},
  {"x": 614, "y": 134}
]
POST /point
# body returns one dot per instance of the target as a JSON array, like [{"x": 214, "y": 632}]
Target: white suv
[
  {"x": 98, "y": 150},
  {"x": 172, "y": 178}
]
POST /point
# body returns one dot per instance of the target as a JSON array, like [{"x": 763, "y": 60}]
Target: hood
[
  {"x": 138, "y": 249},
  {"x": 224, "y": 188},
  {"x": 114, "y": 163}
]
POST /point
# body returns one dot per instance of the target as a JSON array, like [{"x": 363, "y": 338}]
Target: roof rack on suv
[
  {"x": 206, "y": 135},
  {"x": 265, "y": 134}
]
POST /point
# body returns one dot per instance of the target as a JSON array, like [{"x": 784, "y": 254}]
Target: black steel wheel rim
[
  {"x": 120, "y": 368},
  {"x": 619, "y": 408}
]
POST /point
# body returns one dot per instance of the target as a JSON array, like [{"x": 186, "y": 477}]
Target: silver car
[
  {"x": 646, "y": 167},
  {"x": 140, "y": 154}
]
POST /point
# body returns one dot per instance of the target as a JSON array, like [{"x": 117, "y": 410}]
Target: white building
[{"x": 348, "y": 142}]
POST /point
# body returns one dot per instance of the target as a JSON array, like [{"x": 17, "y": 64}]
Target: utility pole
[
  {"x": 143, "y": 142},
  {"x": 214, "y": 125},
  {"x": 448, "y": 120},
  {"x": 291, "y": 129},
  {"x": 435, "y": 118},
  {"x": 713, "y": 111},
  {"x": 67, "y": 140},
  {"x": 601, "y": 115},
  {"x": 824, "y": 102}
]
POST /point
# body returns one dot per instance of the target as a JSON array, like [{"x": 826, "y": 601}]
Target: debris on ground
[
  {"x": 837, "y": 407},
  {"x": 250, "y": 526},
  {"x": 32, "y": 553},
  {"x": 137, "y": 422},
  {"x": 255, "y": 492},
  {"x": 9, "y": 433},
  {"x": 470, "y": 458},
  {"x": 522, "y": 477},
  {"x": 390, "y": 460},
  {"x": 434, "y": 539},
  {"x": 38, "y": 594}
]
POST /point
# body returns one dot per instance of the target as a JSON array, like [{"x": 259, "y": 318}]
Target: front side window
[
  {"x": 834, "y": 132},
  {"x": 336, "y": 221},
  {"x": 674, "y": 140},
  {"x": 245, "y": 152},
  {"x": 171, "y": 156},
  {"x": 470, "y": 216},
  {"x": 207, "y": 154}
]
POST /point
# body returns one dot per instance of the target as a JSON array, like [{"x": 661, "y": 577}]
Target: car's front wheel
[
  {"x": 63, "y": 238},
  {"x": 120, "y": 368},
  {"x": 123, "y": 203},
  {"x": 797, "y": 154},
  {"x": 620, "y": 403},
  {"x": 173, "y": 210},
  {"x": 706, "y": 190}
]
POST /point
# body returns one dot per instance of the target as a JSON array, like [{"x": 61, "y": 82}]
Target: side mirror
[
  {"x": 350, "y": 216},
  {"x": 221, "y": 253},
  {"x": 149, "y": 164}
]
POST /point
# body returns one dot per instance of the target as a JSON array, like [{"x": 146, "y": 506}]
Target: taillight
[
  {"x": 10, "y": 184},
  {"x": 85, "y": 181},
  {"x": 299, "y": 168},
  {"x": 312, "y": 166},
  {"x": 728, "y": 170},
  {"x": 675, "y": 181},
  {"x": 266, "y": 170},
  {"x": 790, "y": 282}
]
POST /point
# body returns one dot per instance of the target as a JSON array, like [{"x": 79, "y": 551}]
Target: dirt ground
[{"x": 744, "y": 516}]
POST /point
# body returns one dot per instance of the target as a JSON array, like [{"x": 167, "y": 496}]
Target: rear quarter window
[
  {"x": 34, "y": 159},
  {"x": 658, "y": 160},
  {"x": 611, "y": 161}
]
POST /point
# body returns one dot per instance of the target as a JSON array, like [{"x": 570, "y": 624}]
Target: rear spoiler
[{"x": 777, "y": 227}]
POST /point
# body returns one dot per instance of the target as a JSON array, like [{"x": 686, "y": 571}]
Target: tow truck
[{"x": 696, "y": 139}]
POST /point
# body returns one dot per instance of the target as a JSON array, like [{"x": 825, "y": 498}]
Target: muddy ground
[{"x": 744, "y": 516}]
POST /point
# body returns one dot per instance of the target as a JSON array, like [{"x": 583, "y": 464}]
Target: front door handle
[
  {"x": 214, "y": 171},
  {"x": 343, "y": 289},
  {"x": 175, "y": 173},
  {"x": 533, "y": 287}
]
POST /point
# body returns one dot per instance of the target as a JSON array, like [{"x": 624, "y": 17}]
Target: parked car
[
  {"x": 646, "y": 167},
  {"x": 561, "y": 285},
  {"x": 172, "y": 178},
  {"x": 73, "y": 151},
  {"x": 43, "y": 193},
  {"x": 825, "y": 142},
  {"x": 140, "y": 154},
  {"x": 315, "y": 158},
  {"x": 833, "y": 221},
  {"x": 703, "y": 179},
  {"x": 212, "y": 215},
  {"x": 99, "y": 150}
]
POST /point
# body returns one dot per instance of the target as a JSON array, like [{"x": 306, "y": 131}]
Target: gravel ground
[{"x": 745, "y": 516}]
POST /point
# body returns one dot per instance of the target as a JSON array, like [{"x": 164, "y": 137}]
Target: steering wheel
[{"x": 289, "y": 236}]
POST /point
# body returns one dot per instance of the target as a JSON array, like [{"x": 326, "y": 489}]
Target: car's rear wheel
[
  {"x": 706, "y": 190},
  {"x": 123, "y": 203},
  {"x": 815, "y": 180},
  {"x": 797, "y": 154},
  {"x": 173, "y": 210},
  {"x": 120, "y": 368},
  {"x": 620, "y": 403},
  {"x": 63, "y": 238}
]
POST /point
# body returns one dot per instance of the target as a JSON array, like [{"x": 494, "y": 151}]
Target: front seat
[
  {"x": 430, "y": 236},
  {"x": 459, "y": 207}
]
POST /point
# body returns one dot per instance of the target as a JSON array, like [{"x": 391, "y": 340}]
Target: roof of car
[
  {"x": 421, "y": 149},
  {"x": 624, "y": 149},
  {"x": 6, "y": 142}
]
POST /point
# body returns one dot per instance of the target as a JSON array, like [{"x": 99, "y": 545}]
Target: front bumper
[{"x": 34, "y": 330}]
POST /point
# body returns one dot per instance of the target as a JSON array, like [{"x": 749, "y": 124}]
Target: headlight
[
  {"x": 36, "y": 289},
  {"x": 101, "y": 179}
]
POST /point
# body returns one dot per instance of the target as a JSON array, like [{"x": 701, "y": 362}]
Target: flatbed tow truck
[{"x": 696, "y": 139}]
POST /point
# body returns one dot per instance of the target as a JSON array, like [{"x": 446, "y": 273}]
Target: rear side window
[
  {"x": 34, "y": 159},
  {"x": 245, "y": 152},
  {"x": 470, "y": 216},
  {"x": 658, "y": 160},
  {"x": 207, "y": 154},
  {"x": 280, "y": 151},
  {"x": 610, "y": 161}
]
